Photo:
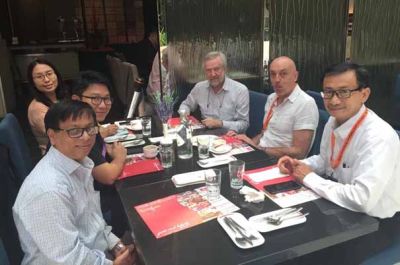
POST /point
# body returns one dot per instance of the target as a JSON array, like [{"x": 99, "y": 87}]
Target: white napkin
[
  {"x": 252, "y": 195},
  {"x": 191, "y": 178}
]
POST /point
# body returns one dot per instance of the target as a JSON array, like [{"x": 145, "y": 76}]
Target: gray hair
[{"x": 213, "y": 55}]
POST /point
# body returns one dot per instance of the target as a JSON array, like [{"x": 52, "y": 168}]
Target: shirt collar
[
  {"x": 70, "y": 165},
  {"x": 225, "y": 86},
  {"x": 343, "y": 130}
]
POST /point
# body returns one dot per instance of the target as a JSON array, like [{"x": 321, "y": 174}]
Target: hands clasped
[{"x": 294, "y": 167}]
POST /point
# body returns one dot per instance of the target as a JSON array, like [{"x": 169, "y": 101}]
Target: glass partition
[
  {"x": 375, "y": 44},
  {"x": 312, "y": 32},
  {"x": 194, "y": 28}
]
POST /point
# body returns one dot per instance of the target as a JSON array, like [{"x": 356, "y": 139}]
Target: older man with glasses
[
  {"x": 57, "y": 211},
  {"x": 358, "y": 165},
  {"x": 109, "y": 160}
]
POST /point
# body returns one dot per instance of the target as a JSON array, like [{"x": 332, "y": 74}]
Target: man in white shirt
[
  {"x": 291, "y": 116},
  {"x": 57, "y": 211},
  {"x": 358, "y": 165},
  {"x": 223, "y": 102}
]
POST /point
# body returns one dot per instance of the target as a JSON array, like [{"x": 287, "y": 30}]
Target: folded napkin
[
  {"x": 191, "y": 178},
  {"x": 252, "y": 195},
  {"x": 216, "y": 161}
]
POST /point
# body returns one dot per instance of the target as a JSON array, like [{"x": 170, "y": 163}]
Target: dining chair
[
  {"x": 318, "y": 98},
  {"x": 8, "y": 192},
  {"x": 256, "y": 112},
  {"x": 323, "y": 118},
  {"x": 12, "y": 137}
]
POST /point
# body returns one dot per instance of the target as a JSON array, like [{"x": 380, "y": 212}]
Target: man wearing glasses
[
  {"x": 109, "y": 160},
  {"x": 358, "y": 165},
  {"x": 57, "y": 211}
]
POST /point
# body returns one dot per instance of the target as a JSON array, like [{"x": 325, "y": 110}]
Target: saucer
[{"x": 222, "y": 149}]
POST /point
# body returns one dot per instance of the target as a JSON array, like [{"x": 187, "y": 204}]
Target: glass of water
[
  {"x": 203, "y": 146},
  {"x": 146, "y": 126},
  {"x": 213, "y": 184},
  {"x": 166, "y": 152}
]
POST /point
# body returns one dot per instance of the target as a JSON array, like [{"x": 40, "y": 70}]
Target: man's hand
[
  {"x": 245, "y": 139},
  {"x": 126, "y": 256},
  {"x": 212, "y": 123},
  {"x": 231, "y": 133},
  {"x": 286, "y": 165},
  {"x": 300, "y": 170},
  {"x": 108, "y": 131},
  {"x": 116, "y": 150}
]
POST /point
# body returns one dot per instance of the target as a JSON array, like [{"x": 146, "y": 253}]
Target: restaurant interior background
[{"x": 77, "y": 35}]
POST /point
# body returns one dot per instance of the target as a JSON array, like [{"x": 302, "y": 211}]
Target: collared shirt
[
  {"x": 368, "y": 178},
  {"x": 58, "y": 216},
  {"x": 296, "y": 112},
  {"x": 231, "y": 104}
]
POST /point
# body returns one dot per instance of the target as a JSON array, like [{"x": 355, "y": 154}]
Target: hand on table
[
  {"x": 212, "y": 123},
  {"x": 231, "y": 133},
  {"x": 125, "y": 256},
  {"x": 293, "y": 167},
  {"x": 245, "y": 139}
]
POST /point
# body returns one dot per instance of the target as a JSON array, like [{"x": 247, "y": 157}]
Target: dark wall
[{"x": 5, "y": 28}]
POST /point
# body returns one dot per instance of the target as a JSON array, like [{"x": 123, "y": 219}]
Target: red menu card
[
  {"x": 138, "y": 165},
  {"x": 173, "y": 122}
]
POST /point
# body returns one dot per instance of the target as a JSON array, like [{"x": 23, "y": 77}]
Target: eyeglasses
[
  {"x": 41, "y": 77},
  {"x": 97, "y": 100},
  {"x": 78, "y": 132},
  {"x": 340, "y": 93}
]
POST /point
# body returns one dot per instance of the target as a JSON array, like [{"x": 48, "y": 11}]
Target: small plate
[
  {"x": 260, "y": 223},
  {"x": 242, "y": 221},
  {"x": 222, "y": 149}
]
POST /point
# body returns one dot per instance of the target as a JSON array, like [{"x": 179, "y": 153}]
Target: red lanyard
[
  {"x": 335, "y": 162},
  {"x": 269, "y": 114}
]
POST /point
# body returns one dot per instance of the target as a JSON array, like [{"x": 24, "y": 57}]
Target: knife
[
  {"x": 241, "y": 230},
  {"x": 228, "y": 222}
]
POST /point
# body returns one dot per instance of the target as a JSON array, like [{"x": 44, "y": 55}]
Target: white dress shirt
[
  {"x": 58, "y": 215},
  {"x": 368, "y": 178},
  {"x": 231, "y": 104},
  {"x": 296, "y": 112}
]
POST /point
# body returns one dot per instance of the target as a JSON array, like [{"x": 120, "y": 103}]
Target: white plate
[
  {"x": 133, "y": 143},
  {"x": 212, "y": 138},
  {"x": 191, "y": 178},
  {"x": 260, "y": 223},
  {"x": 242, "y": 221},
  {"x": 222, "y": 149}
]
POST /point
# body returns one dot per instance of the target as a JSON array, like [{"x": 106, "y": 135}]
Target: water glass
[
  {"x": 146, "y": 126},
  {"x": 203, "y": 146},
  {"x": 213, "y": 184},
  {"x": 236, "y": 172},
  {"x": 166, "y": 152}
]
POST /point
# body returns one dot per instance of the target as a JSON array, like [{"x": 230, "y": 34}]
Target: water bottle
[{"x": 184, "y": 137}]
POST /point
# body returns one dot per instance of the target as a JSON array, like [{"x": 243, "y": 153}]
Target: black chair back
[{"x": 256, "y": 112}]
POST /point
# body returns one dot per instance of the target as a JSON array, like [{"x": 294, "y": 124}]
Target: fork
[
  {"x": 240, "y": 238},
  {"x": 284, "y": 212},
  {"x": 279, "y": 220},
  {"x": 238, "y": 226}
]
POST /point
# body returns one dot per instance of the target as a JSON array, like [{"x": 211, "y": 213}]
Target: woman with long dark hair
[{"x": 47, "y": 88}]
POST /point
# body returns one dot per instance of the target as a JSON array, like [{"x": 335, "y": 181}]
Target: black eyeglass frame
[
  {"x": 107, "y": 100},
  {"x": 347, "y": 92},
  {"x": 79, "y": 131}
]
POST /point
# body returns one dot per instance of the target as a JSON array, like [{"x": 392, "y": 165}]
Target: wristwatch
[{"x": 117, "y": 248}]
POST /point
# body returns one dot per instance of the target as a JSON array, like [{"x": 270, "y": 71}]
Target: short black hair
[
  {"x": 61, "y": 89},
  {"x": 86, "y": 79},
  {"x": 66, "y": 109},
  {"x": 361, "y": 72}
]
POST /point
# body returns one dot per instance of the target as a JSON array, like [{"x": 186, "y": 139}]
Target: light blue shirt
[
  {"x": 231, "y": 104},
  {"x": 58, "y": 216}
]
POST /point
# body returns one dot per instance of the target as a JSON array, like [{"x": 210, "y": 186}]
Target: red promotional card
[
  {"x": 138, "y": 165},
  {"x": 196, "y": 124},
  {"x": 180, "y": 211}
]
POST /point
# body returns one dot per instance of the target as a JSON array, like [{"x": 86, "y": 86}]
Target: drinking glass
[
  {"x": 166, "y": 152},
  {"x": 213, "y": 184},
  {"x": 203, "y": 146},
  {"x": 236, "y": 172},
  {"x": 146, "y": 126}
]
